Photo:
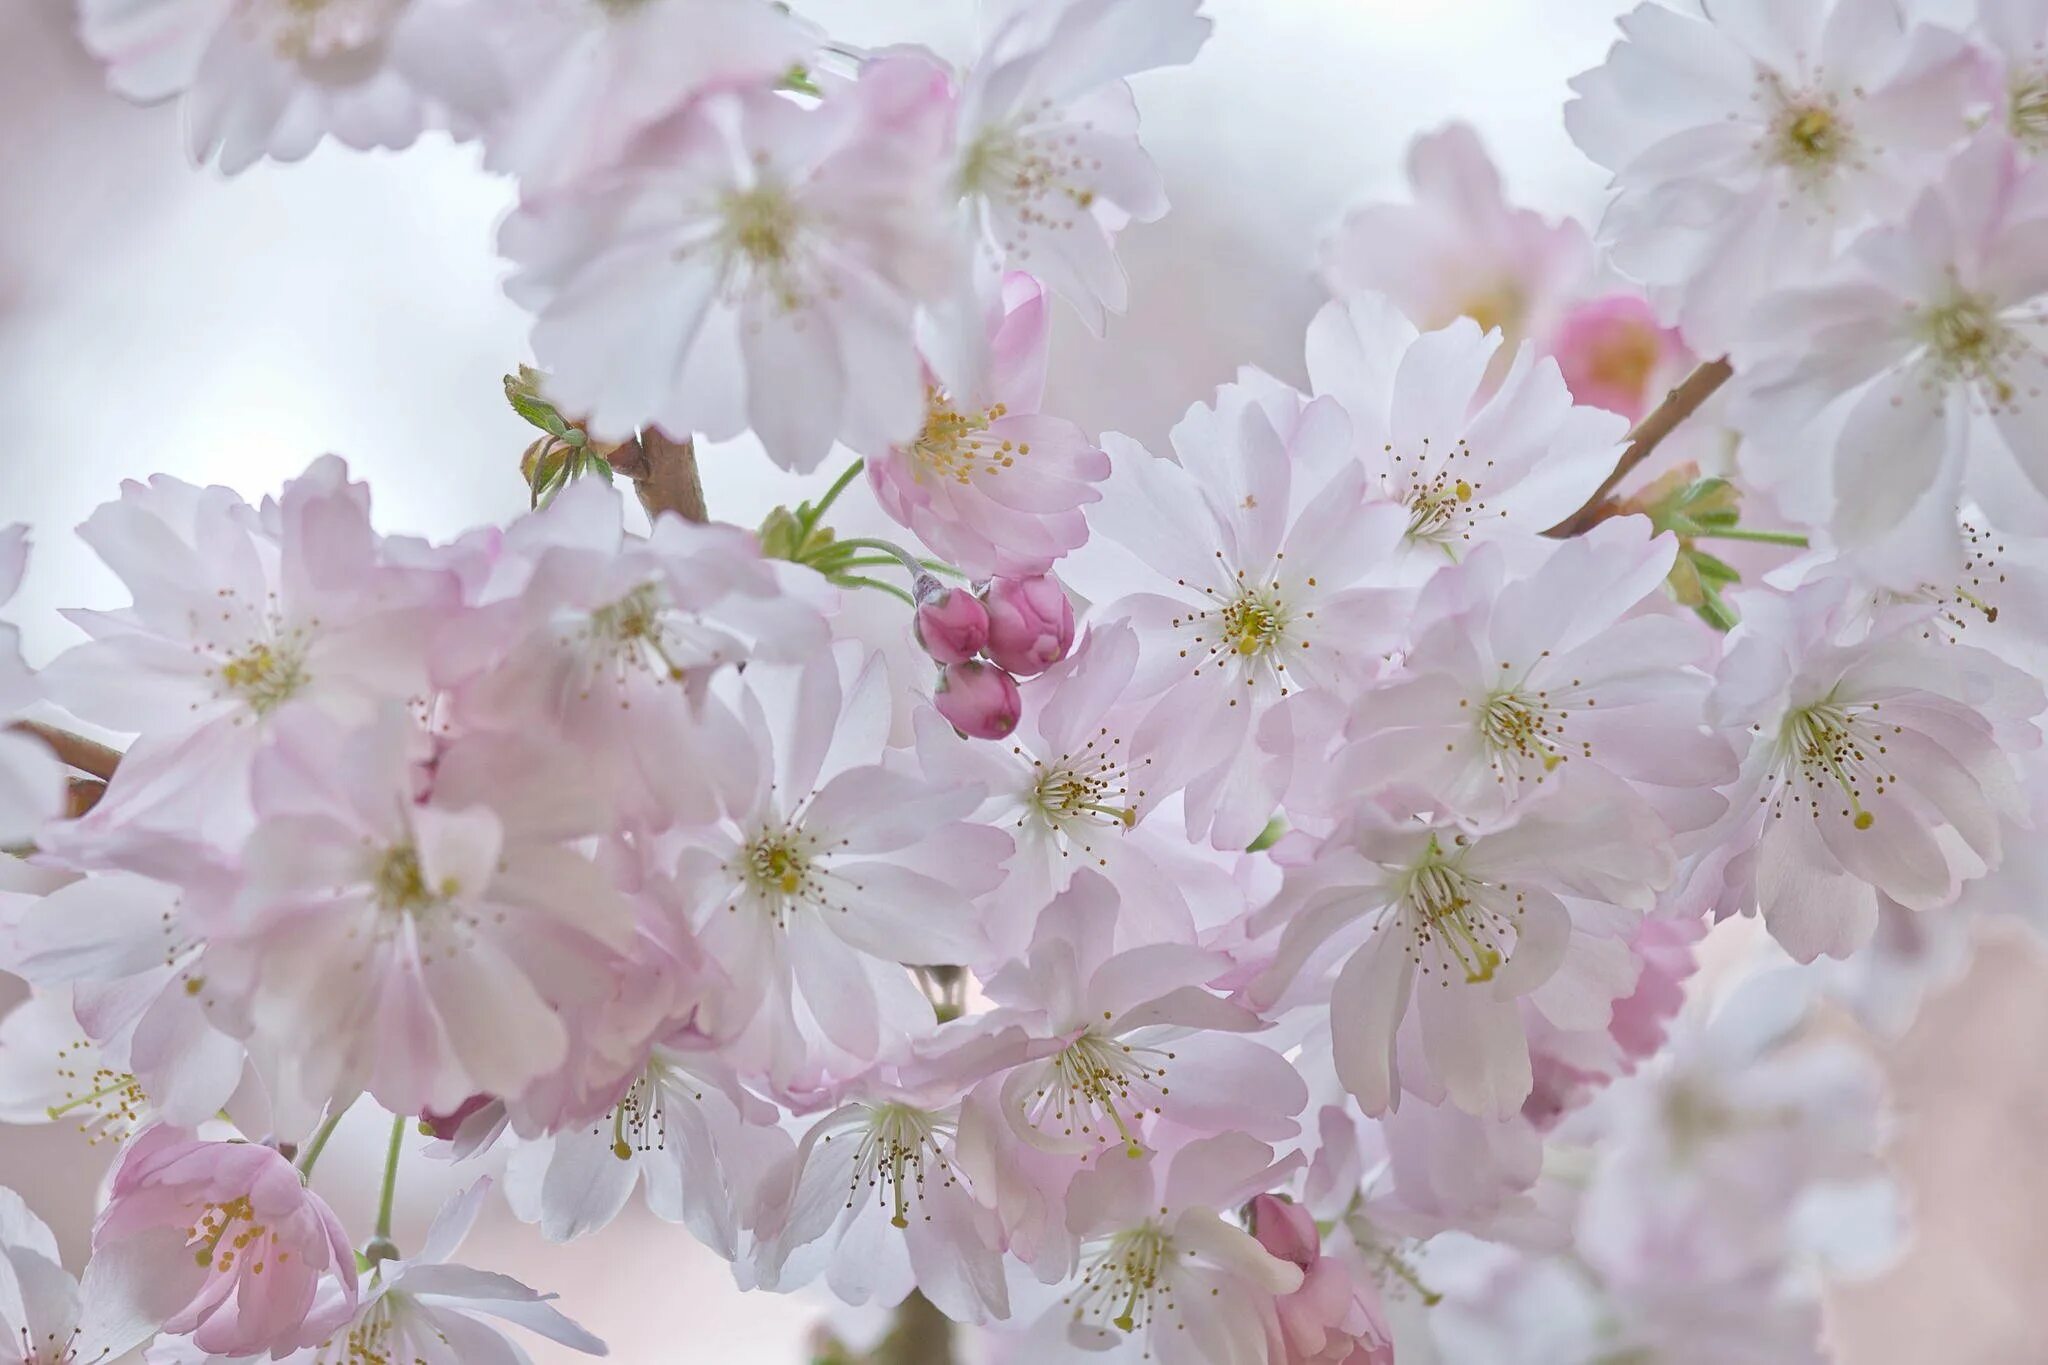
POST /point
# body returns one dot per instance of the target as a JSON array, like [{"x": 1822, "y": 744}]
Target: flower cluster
[{"x": 1271, "y": 938}]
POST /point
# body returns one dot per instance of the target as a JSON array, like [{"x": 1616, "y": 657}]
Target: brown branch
[
  {"x": 83, "y": 794},
  {"x": 86, "y": 755},
  {"x": 1681, "y": 403},
  {"x": 664, "y": 473}
]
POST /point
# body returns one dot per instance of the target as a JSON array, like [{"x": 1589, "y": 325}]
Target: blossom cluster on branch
[{"x": 1244, "y": 905}]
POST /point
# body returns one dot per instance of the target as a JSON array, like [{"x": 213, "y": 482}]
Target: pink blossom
[
  {"x": 1437, "y": 929},
  {"x": 589, "y": 78},
  {"x": 1614, "y": 354},
  {"x": 222, "y": 1241},
  {"x": 827, "y": 870},
  {"x": 273, "y": 80},
  {"x": 1880, "y": 763},
  {"x": 1795, "y": 124},
  {"x": 1913, "y": 375},
  {"x": 1046, "y": 152},
  {"x": 1334, "y": 1318},
  {"x": 239, "y": 616},
  {"x": 1512, "y": 680},
  {"x": 1030, "y": 624},
  {"x": 978, "y": 699},
  {"x": 1460, "y": 250},
  {"x": 749, "y": 264},
  {"x": 1243, "y": 566},
  {"x": 1163, "y": 1276},
  {"x": 952, "y": 625},
  {"x": 989, "y": 482},
  {"x": 1076, "y": 795},
  {"x": 409, "y": 929}
]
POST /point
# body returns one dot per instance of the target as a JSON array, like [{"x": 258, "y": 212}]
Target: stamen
[
  {"x": 1129, "y": 1283},
  {"x": 1098, "y": 1083}
]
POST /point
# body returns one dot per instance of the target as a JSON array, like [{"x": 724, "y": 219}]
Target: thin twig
[
  {"x": 86, "y": 755},
  {"x": 664, "y": 473},
  {"x": 1681, "y": 403}
]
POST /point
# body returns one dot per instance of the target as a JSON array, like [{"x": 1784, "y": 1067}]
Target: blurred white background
[{"x": 158, "y": 318}]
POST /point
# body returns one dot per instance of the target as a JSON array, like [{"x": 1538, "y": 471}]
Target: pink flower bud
[
  {"x": 1030, "y": 623},
  {"x": 981, "y": 701},
  {"x": 1286, "y": 1230},
  {"x": 952, "y": 625}
]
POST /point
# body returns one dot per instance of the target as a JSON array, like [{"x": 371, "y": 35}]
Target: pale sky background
[{"x": 157, "y": 318}]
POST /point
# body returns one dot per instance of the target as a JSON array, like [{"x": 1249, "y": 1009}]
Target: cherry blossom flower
[
  {"x": 826, "y": 871},
  {"x": 272, "y": 78},
  {"x": 1460, "y": 250},
  {"x": 51, "y": 1072},
  {"x": 990, "y": 483},
  {"x": 590, "y": 77},
  {"x": 2013, "y": 36},
  {"x": 1509, "y": 681},
  {"x": 46, "y": 1316},
  {"x": 1075, "y": 794},
  {"x": 1462, "y": 471},
  {"x": 1916, "y": 374},
  {"x": 1615, "y": 355},
  {"x": 31, "y": 779},
  {"x": 879, "y": 1205},
  {"x": 1241, "y": 566},
  {"x": 238, "y": 616},
  {"x": 1879, "y": 764},
  {"x": 1164, "y": 1276},
  {"x": 1140, "y": 1039},
  {"x": 1334, "y": 1318},
  {"x": 122, "y": 950},
  {"x": 221, "y": 1242},
  {"x": 684, "y": 1131},
  {"x": 408, "y": 931},
  {"x": 1462, "y": 922},
  {"x": 750, "y": 263},
  {"x": 426, "y": 1308},
  {"x": 602, "y": 636},
  {"x": 1046, "y": 149},
  {"x": 1742, "y": 144}
]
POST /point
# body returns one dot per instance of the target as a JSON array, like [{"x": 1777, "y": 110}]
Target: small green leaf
[{"x": 1269, "y": 836}]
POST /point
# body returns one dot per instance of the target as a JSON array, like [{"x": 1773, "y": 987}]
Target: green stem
[
  {"x": 390, "y": 1190},
  {"x": 890, "y": 588},
  {"x": 1792, "y": 538},
  {"x": 831, "y": 495},
  {"x": 317, "y": 1144}
]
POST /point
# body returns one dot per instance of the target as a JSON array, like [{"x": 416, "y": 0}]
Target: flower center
[
  {"x": 1042, "y": 178},
  {"x": 1833, "y": 744},
  {"x": 1442, "y": 495},
  {"x": 1129, "y": 1283},
  {"x": 226, "y": 1232},
  {"x": 110, "y": 1103},
  {"x": 1090, "y": 790},
  {"x": 778, "y": 868},
  {"x": 370, "y": 1340},
  {"x": 2027, "y": 113},
  {"x": 1258, "y": 627},
  {"x": 761, "y": 229},
  {"x": 1455, "y": 920},
  {"x": 894, "y": 1145},
  {"x": 634, "y": 634},
  {"x": 1972, "y": 597},
  {"x": 1524, "y": 730},
  {"x": 1968, "y": 343},
  {"x": 266, "y": 675},
  {"x": 1096, "y": 1084},
  {"x": 637, "y": 1121},
  {"x": 957, "y": 446},
  {"x": 1498, "y": 308},
  {"x": 1808, "y": 136},
  {"x": 315, "y": 30},
  {"x": 400, "y": 887},
  {"x": 1622, "y": 358}
]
